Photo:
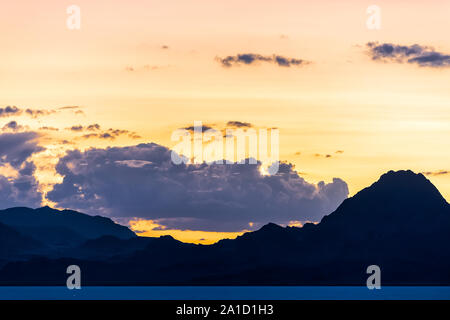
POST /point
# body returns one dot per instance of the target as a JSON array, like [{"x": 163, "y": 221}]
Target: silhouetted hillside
[
  {"x": 64, "y": 228},
  {"x": 16, "y": 245},
  {"x": 401, "y": 223}
]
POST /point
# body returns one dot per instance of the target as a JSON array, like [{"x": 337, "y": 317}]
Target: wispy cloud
[
  {"x": 436, "y": 173},
  {"x": 49, "y": 128},
  {"x": 252, "y": 58},
  {"x": 110, "y": 134},
  {"x": 15, "y": 111}
]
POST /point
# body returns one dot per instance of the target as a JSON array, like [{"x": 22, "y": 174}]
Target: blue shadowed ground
[{"x": 225, "y": 293}]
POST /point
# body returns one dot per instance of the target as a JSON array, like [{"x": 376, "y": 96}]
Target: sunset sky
[{"x": 138, "y": 70}]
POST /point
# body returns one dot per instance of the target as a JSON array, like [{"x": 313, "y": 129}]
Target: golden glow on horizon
[{"x": 148, "y": 228}]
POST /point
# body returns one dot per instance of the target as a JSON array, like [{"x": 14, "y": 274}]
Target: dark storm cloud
[
  {"x": 414, "y": 54},
  {"x": 141, "y": 181},
  {"x": 251, "y": 58}
]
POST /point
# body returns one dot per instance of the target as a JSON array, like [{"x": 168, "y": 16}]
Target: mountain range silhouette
[{"x": 400, "y": 223}]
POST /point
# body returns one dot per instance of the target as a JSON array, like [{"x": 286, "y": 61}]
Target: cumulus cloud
[
  {"x": 414, "y": 54},
  {"x": 252, "y": 58},
  {"x": 142, "y": 182},
  {"x": 21, "y": 188},
  {"x": 15, "y": 148}
]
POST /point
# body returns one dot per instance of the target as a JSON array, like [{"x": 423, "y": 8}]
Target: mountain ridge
[{"x": 401, "y": 223}]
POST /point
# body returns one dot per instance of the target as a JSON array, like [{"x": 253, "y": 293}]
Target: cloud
[
  {"x": 49, "y": 128},
  {"x": 77, "y": 128},
  {"x": 204, "y": 127},
  {"x": 15, "y": 148},
  {"x": 20, "y": 188},
  {"x": 12, "y": 126},
  {"x": 239, "y": 124},
  {"x": 105, "y": 136},
  {"x": 110, "y": 134},
  {"x": 93, "y": 127},
  {"x": 15, "y": 111},
  {"x": 318, "y": 155},
  {"x": 252, "y": 58},
  {"x": 9, "y": 111},
  {"x": 142, "y": 182},
  {"x": 35, "y": 113},
  {"x": 436, "y": 173},
  {"x": 414, "y": 54}
]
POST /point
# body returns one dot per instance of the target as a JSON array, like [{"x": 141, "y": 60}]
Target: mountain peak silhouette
[
  {"x": 399, "y": 202},
  {"x": 406, "y": 183}
]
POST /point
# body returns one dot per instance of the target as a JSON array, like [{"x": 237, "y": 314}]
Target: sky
[{"x": 88, "y": 114}]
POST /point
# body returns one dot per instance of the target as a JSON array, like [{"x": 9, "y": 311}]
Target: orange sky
[{"x": 382, "y": 116}]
